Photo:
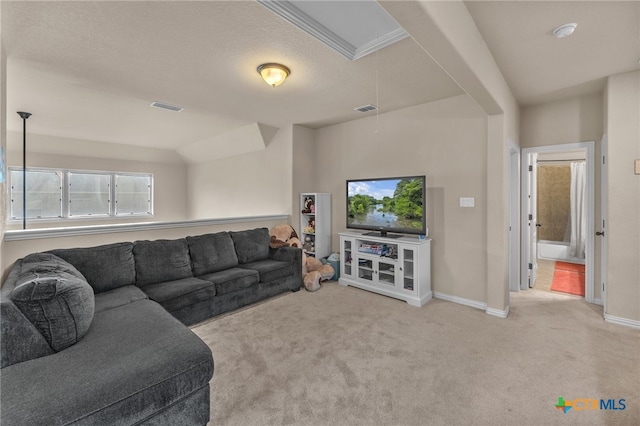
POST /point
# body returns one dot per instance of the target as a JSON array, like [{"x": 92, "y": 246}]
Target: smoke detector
[{"x": 565, "y": 30}]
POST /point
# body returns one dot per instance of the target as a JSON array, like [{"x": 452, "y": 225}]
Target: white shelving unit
[
  {"x": 315, "y": 207},
  {"x": 395, "y": 267}
]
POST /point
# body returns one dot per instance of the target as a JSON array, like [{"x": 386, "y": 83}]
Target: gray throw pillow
[{"x": 60, "y": 305}]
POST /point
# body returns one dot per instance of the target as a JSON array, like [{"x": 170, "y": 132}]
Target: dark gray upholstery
[
  {"x": 161, "y": 260},
  {"x": 105, "y": 267},
  {"x": 55, "y": 298},
  {"x": 212, "y": 253},
  {"x": 117, "y": 297},
  {"x": 29, "y": 345},
  {"x": 233, "y": 279},
  {"x": 174, "y": 295},
  {"x": 251, "y": 245},
  {"x": 269, "y": 269},
  {"x": 136, "y": 362}
]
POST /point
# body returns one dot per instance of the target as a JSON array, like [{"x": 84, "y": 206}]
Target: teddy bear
[
  {"x": 311, "y": 226},
  {"x": 284, "y": 235},
  {"x": 313, "y": 271}
]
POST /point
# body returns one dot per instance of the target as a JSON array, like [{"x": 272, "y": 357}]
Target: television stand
[
  {"x": 394, "y": 267},
  {"x": 383, "y": 234}
]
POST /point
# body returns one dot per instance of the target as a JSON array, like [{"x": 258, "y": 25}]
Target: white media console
[{"x": 394, "y": 267}]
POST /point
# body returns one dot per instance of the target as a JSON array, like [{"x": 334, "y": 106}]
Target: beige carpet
[{"x": 343, "y": 356}]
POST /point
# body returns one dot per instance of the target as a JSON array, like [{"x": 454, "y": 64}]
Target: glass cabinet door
[
  {"x": 365, "y": 269},
  {"x": 346, "y": 257},
  {"x": 387, "y": 272},
  {"x": 408, "y": 258}
]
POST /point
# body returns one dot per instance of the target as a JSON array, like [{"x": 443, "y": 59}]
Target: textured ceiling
[{"x": 90, "y": 69}]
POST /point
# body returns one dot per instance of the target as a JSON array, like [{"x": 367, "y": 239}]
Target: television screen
[{"x": 387, "y": 204}]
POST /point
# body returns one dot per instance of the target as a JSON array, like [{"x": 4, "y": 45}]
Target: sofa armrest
[{"x": 292, "y": 255}]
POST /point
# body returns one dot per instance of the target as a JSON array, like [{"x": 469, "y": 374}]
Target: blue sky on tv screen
[{"x": 375, "y": 188}]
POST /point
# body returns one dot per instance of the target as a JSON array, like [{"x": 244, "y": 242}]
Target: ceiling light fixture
[
  {"x": 273, "y": 74},
  {"x": 565, "y": 30}
]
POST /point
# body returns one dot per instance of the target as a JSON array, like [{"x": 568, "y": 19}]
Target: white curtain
[{"x": 578, "y": 210}]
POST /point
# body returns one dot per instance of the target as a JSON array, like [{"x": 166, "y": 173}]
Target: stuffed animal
[
  {"x": 284, "y": 235},
  {"x": 314, "y": 272},
  {"x": 311, "y": 226},
  {"x": 308, "y": 205}
]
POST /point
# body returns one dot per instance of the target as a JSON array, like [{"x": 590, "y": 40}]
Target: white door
[{"x": 531, "y": 221}]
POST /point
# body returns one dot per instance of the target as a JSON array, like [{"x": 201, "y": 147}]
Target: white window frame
[{"x": 65, "y": 204}]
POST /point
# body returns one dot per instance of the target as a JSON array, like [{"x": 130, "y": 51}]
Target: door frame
[
  {"x": 590, "y": 202},
  {"x": 604, "y": 147},
  {"x": 514, "y": 216}
]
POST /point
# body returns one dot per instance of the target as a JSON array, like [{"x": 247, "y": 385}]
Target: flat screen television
[{"x": 394, "y": 205}]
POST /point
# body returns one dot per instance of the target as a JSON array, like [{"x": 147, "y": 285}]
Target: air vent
[
  {"x": 166, "y": 106},
  {"x": 366, "y": 108}
]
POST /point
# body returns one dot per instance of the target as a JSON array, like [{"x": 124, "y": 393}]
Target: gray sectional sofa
[{"x": 98, "y": 335}]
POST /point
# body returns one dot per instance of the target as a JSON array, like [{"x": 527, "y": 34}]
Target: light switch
[{"x": 467, "y": 202}]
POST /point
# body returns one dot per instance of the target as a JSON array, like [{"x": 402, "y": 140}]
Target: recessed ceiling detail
[{"x": 352, "y": 28}]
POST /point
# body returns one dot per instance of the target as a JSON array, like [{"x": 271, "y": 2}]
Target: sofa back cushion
[
  {"x": 105, "y": 267},
  {"x": 55, "y": 298},
  {"x": 251, "y": 245},
  {"x": 212, "y": 253},
  {"x": 161, "y": 260}
]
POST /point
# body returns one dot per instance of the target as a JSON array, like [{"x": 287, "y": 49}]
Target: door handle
[
  {"x": 538, "y": 224},
  {"x": 600, "y": 233}
]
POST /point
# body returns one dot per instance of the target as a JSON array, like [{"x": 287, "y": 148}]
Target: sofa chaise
[{"x": 99, "y": 335}]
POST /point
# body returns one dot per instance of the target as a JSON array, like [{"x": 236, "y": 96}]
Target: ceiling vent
[
  {"x": 366, "y": 108},
  {"x": 166, "y": 106}
]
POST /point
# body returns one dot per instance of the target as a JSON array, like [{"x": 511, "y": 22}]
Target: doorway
[{"x": 568, "y": 234}]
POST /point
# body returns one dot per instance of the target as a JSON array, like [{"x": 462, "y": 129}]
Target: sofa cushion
[
  {"x": 231, "y": 280},
  {"x": 270, "y": 269},
  {"x": 212, "y": 253},
  {"x": 135, "y": 362},
  {"x": 21, "y": 341},
  {"x": 251, "y": 245},
  {"x": 161, "y": 260},
  {"x": 118, "y": 297},
  {"x": 105, "y": 267},
  {"x": 59, "y": 303},
  {"x": 174, "y": 295}
]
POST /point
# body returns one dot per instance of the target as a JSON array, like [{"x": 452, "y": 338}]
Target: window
[
  {"x": 73, "y": 194},
  {"x": 44, "y": 194}
]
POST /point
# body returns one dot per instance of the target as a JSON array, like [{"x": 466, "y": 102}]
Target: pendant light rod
[{"x": 24, "y": 116}]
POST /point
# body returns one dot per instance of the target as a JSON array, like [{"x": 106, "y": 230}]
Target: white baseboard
[
  {"x": 473, "y": 304},
  {"x": 460, "y": 300},
  {"x": 500, "y": 313},
  {"x": 622, "y": 321}
]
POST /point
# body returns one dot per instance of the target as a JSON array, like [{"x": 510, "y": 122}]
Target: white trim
[
  {"x": 500, "y": 313},
  {"x": 622, "y": 321},
  {"x": 34, "y": 234},
  {"x": 460, "y": 300},
  {"x": 598, "y": 302},
  {"x": 589, "y": 147}
]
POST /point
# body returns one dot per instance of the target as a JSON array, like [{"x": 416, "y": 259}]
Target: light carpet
[{"x": 344, "y": 356}]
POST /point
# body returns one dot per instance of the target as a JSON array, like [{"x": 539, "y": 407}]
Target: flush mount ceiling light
[
  {"x": 273, "y": 74},
  {"x": 565, "y": 30}
]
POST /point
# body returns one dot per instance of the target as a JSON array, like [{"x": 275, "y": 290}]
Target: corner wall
[
  {"x": 623, "y": 206},
  {"x": 220, "y": 188}
]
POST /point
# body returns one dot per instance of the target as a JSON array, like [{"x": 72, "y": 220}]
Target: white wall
[
  {"x": 256, "y": 183},
  {"x": 3, "y": 140},
  {"x": 305, "y": 169},
  {"x": 575, "y": 119},
  {"x": 623, "y": 226},
  {"x": 447, "y": 142},
  {"x": 170, "y": 173}
]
